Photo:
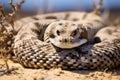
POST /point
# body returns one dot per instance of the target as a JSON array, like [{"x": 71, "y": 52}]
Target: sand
[{"x": 17, "y": 72}]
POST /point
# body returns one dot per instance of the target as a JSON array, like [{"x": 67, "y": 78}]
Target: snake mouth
[{"x": 68, "y": 45}]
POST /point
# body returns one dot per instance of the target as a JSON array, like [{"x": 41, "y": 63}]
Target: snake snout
[
  {"x": 66, "y": 40},
  {"x": 63, "y": 40}
]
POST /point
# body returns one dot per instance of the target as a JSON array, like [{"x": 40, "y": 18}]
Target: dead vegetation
[
  {"x": 97, "y": 8},
  {"x": 7, "y": 31}
]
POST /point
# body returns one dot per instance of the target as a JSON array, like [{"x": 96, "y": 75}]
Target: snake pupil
[
  {"x": 58, "y": 32},
  {"x": 52, "y": 36},
  {"x": 74, "y": 33}
]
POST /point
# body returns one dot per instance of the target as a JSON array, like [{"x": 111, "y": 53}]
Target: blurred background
[{"x": 32, "y": 7}]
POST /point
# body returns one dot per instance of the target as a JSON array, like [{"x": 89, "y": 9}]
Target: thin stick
[
  {"x": 6, "y": 37},
  {"x": 97, "y": 8}
]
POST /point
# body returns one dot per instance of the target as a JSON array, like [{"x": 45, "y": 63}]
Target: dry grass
[
  {"x": 7, "y": 31},
  {"x": 97, "y": 7}
]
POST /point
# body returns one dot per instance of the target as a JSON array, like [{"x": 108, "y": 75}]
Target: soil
[{"x": 17, "y": 72}]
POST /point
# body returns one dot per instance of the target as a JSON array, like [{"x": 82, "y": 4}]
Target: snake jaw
[
  {"x": 68, "y": 45},
  {"x": 80, "y": 42}
]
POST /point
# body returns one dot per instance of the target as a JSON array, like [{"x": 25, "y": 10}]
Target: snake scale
[{"x": 34, "y": 48}]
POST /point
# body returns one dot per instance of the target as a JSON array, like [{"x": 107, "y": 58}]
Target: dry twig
[
  {"x": 7, "y": 35},
  {"x": 97, "y": 8}
]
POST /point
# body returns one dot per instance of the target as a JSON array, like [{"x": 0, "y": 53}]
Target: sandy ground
[{"x": 17, "y": 72}]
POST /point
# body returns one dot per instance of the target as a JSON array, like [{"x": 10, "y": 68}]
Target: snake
[{"x": 67, "y": 40}]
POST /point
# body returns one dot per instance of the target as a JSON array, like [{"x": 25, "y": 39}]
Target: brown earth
[{"x": 17, "y": 72}]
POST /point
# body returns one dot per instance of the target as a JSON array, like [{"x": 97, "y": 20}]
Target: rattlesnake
[{"x": 33, "y": 51}]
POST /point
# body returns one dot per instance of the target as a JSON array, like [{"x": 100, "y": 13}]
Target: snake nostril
[{"x": 65, "y": 40}]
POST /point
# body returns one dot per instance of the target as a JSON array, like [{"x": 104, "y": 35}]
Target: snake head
[{"x": 66, "y": 34}]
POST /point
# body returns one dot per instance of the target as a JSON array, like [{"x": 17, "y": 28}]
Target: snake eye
[
  {"x": 74, "y": 33},
  {"x": 51, "y": 35},
  {"x": 58, "y": 32},
  {"x": 60, "y": 23}
]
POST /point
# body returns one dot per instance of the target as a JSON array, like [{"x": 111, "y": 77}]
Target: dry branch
[
  {"x": 97, "y": 7},
  {"x": 6, "y": 35}
]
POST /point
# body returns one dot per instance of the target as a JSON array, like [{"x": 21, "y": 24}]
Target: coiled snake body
[{"x": 68, "y": 42}]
